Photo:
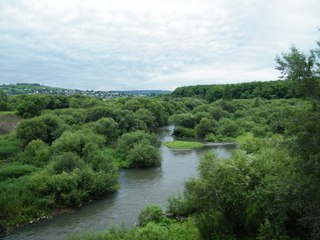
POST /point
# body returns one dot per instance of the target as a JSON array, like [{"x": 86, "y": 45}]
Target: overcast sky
[{"x": 150, "y": 44}]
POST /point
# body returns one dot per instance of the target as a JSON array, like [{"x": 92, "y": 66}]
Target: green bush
[
  {"x": 76, "y": 141},
  {"x": 65, "y": 162},
  {"x": 144, "y": 155},
  {"x": 184, "y": 132},
  {"x": 9, "y": 146},
  {"x": 152, "y": 213},
  {"x": 228, "y": 128},
  {"x": 205, "y": 127},
  {"x": 127, "y": 141},
  {"x": 36, "y": 153}
]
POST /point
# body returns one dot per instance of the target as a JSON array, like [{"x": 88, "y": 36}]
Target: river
[{"x": 139, "y": 188}]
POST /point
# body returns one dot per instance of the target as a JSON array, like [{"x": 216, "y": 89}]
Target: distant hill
[{"x": 34, "y": 88}]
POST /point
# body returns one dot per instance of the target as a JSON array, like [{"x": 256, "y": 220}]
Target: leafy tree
[
  {"x": 106, "y": 127},
  {"x": 228, "y": 128},
  {"x": 4, "y": 106},
  {"x": 76, "y": 142},
  {"x": 46, "y": 127},
  {"x": 144, "y": 155},
  {"x": 36, "y": 153},
  {"x": 205, "y": 127},
  {"x": 65, "y": 162},
  {"x": 152, "y": 213},
  {"x": 147, "y": 117},
  {"x": 31, "y": 129},
  {"x": 303, "y": 69},
  {"x": 127, "y": 141},
  {"x": 187, "y": 120}
]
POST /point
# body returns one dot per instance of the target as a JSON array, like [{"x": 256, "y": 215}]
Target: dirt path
[{"x": 8, "y": 123}]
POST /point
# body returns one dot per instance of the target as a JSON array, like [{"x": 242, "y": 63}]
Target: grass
[
  {"x": 184, "y": 145},
  {"x": 7, "y": 112},
  {"x": 243, "y": 137}
]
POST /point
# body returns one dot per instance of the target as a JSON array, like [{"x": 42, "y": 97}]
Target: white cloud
[{"x": 140, "y": 44}]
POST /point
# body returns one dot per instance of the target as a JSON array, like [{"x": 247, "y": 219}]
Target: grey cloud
[{"x": 107, "y": 45}]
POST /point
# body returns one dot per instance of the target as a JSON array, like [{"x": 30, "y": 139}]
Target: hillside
[{"x": 34, "y": 88}]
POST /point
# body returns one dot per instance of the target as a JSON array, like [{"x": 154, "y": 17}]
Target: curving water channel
[{"x": 139, "y": 188}]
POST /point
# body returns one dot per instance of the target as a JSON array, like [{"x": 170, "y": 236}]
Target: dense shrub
[
  {"x": 9, "y": 146},
  {"x": 15, "y": 171},
  {"x": 152, "y": 213},
  {"x": 36, "y": 153},
  {"x": 127, "y": 141},
  {"x": 144, "y": 155},
  {"x": 184, "y": 132}
]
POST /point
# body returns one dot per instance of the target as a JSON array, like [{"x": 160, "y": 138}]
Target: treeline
[{"x": 268, "y": 90}]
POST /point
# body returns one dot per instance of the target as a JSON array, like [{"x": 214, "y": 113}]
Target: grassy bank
[{"x": 184, "y": 145}]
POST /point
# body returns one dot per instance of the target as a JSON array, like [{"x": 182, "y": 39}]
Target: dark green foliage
[
  {"x": 267, "y": 90},
  {"x": 65, "y": 162},
  {"x": 32, "y": 105},
  {"x": 4, "y": 105},
  {"x": 15, "y": 171},
  {"x": 152, "y": 213},
  {"x": 36, "y": 153},
  {"x": 228, "y": 128},
  {"x": 9, "y": 146},
  {"x": 46, "y": 127},
  {"x": 234, "y": 198},
  {"x": 127, "y": 141},
  {"x": 186, "y": 120},
  {"x": 185, "y": 230},
  {"x": 205, "y": 127},
  {"x": 96, "y": 113},
  {"x": 76, "y": 141},
  {"x": 184, "y": 132},
  {"x": 143, "y": 155},
  {"x": 106, "y": 127}
]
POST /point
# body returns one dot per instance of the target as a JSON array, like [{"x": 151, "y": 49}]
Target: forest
[{"x": 67, "y": 151}]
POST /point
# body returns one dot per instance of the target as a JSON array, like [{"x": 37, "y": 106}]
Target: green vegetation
[
  {"x": 184, "y": 145},
  {"x": 67, "y": 151},
  {"x": 7, "y": 112},
  {"x": 266, "y": 90},
  {"x": 185, "y": 230}
]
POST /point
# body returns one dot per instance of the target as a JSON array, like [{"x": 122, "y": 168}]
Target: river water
[{"x": 138, "y": 188}]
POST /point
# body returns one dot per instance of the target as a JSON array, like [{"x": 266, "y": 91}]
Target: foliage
[
  {"x": 15, "y": 171},
  {"x": 32, "y": 105},
  {"x": 9, "y": 146},
  {"x": 151, "y": 231},
  {"x": 268, "y": 90},
  {"x": 46, "y": 127},
  {"x": 76, "y": 142},
  {"x": 206, "y": 126},
  {"x": 143, "y": 154},
  {"x": 36, "y": 153},
  {"x": 187, "y": 120},
  {"x": 65, "y": 162},
  {"x": 184, "y": 132},
  {"x": 127, "y": 141},
  {"x": 152, "y": 213},
  {"x": 4, "y": 106}
]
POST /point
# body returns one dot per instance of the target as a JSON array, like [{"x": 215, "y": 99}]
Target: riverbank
[{"x": 137, "y": 190}]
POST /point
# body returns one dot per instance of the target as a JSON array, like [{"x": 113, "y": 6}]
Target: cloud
[{"x": 140, "y": 44}]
